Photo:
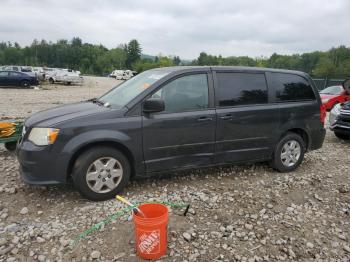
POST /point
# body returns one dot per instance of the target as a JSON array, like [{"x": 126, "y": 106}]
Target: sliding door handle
[
  {"x": 204, "y": 119},
  {"x": 226, "y": 117}
]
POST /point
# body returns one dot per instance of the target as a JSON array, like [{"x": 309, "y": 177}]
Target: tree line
[
  {"x": 99, "y": 60},
  {"x": 334, "y": 63},
  {"x": 87, "y": 58}
]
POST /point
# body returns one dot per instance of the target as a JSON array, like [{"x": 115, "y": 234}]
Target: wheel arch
[
  {"x": 301, "y": 132},
  {"x": 24, "y": 80},
  {"x": 108, "y": 143}
]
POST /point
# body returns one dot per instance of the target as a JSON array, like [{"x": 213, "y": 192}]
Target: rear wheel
[
  {"x": 341, "y": 135},
  {"x": 100, "y": 173},
  {"x": 289, "y": 153},
  {"x": 25, "y": 83}
]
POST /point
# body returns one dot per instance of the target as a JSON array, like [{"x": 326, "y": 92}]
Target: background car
[
  {"x": 66, "y": 76},
  {"x": 333, "y": 95},
  {"x": 339, "y": 117},
  {"x": 39, "y": 72},
  {"x": 25, "y": 69},
  {"x": 122, "y": 74},
  {"x": 12, "y": 78}
]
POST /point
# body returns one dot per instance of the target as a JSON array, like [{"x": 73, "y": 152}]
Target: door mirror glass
[
  {"x": 153, "y": 105},
  {"x": 346, "y": 85}
]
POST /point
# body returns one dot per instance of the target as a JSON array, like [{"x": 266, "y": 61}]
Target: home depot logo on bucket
[{"x": 149, "y": 242}]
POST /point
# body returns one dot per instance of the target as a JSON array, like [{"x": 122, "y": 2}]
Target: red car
[{"x": 333, "y": 95}]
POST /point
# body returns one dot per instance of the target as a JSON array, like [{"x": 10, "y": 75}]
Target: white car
[
  {"x": 127, "y": 74},
  {"x": 66, "y": 76},
  {"x": 122, "y": 74},
  {"x": 117, "y": 74},
  {"x": 40, "y": 73}
]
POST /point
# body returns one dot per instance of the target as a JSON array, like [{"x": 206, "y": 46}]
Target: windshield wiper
[
  {"x": 99, "y": 102},
  {"x": 96, "y": 101}
]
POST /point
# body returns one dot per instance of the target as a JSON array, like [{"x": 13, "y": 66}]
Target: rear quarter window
[
  {"x": 15, "y": 74},
  {"x": 290, "y": 87}
]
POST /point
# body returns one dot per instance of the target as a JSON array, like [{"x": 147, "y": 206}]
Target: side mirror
[
  {"x": 346, "y": 85},
  {"x": 153, "y": 105}
]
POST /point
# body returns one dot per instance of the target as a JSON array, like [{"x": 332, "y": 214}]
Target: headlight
[
  {"x": 336, "y": 109},
  {"x": 23, "y": 131},
  {"x": 335, "y": 112},
  {"x": 43, "y": 136}
]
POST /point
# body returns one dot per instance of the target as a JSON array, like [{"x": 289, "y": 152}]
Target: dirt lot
[
  {"x": 19, "y": 103},
  {"x": 238, "y": 213}
]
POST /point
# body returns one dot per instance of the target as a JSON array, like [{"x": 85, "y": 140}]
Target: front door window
[{"x": 187, "y": 93}]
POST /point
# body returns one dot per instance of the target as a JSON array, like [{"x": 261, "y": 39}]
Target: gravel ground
[
  {"x": 238, "y": 213},
  {"x": 19, "y": 103}
]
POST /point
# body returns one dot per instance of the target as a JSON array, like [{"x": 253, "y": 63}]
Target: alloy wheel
[
  {"x": 290, "y": 153},
  {"x": 104, "y": 175}
]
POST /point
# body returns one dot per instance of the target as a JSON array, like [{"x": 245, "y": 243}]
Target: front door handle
[
  {"x": 226, "y": 117},
  {"x": 204, "y": 118}
]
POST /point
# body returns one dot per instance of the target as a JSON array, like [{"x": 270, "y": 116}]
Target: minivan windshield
[{"x": 121, "y": 95}]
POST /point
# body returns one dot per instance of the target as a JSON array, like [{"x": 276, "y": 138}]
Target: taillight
[{"x": 323, "y": 114}]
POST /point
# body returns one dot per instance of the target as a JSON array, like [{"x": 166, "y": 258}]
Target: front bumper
[
  {"x": 340, "y": 123},
  {"x": 341, "y": 127},
  {"x": 34, "y": 82},
  {"x": 39, "y": 165}
]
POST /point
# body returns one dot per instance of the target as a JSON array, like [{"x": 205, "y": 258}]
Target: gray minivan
[{"x": 174, "y": 118}]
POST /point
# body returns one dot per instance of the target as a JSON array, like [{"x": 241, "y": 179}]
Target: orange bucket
[{"x": 151, "y": 231}]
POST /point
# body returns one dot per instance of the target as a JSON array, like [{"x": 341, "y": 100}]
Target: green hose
[{"x": 120, "y": 213}]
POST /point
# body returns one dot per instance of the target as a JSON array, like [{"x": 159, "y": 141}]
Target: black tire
[
  {"x": 51, "y": 81},
  {"x": 86, "y": 160},
  {"x": 11, "y": 146},
  {"x": 341, "y": 136},
  {"x": 276, "y": 161},
  {"x": 25, "y": 83}
]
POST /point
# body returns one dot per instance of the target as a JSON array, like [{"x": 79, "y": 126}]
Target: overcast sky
[{"x": 183, "y": 27}]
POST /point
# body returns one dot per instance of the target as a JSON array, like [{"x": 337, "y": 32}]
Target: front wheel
[
  {"x": 25, "y": 84},
  {"x": 100, "y": 173},
  {"x": 289, "y": 153}
]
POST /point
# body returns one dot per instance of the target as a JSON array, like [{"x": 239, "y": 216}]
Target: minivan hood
[{"x": 63, "y": 113}]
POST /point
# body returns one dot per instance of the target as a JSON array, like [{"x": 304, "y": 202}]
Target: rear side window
[
  {"x": 289, "y": 87},
  {"x": 241, "y": 89},
  {"x": 15, "y": 74}
]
